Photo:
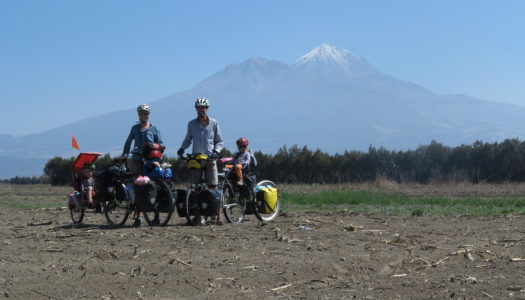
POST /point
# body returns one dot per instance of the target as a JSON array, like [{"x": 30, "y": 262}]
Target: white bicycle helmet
[
  {"x": 202, "y": 102},
  {"x": 144, "y": 107}
]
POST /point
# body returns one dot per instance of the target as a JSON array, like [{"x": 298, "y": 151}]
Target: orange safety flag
[{"x": 74, "y": 143}]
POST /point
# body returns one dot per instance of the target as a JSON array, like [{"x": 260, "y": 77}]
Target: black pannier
[
  {"x": 163, "y": 200},
  {"x": 181, "y": 202},
  {"x": 209, "y": 201},
  {"x": 145, "y": 196},
  {"x": 104, "y": 180}
]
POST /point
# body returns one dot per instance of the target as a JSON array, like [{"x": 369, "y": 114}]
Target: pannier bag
[
  {"x": 106, "y": 182},
  {"x": 145, "y": 196},
  {"x": 197, "y": 162},
  {"x": 163, "y": 200},
  {"x": 108, "y": 177},
  {"x": 209, "y": 201},
  {"x": 266, "y": 199},
  {"x": 181, "y": 202},
  {"x": 157, "y": 170},
  {"x": 130, "y": 190},
  {"x": 120, "y": 194}
]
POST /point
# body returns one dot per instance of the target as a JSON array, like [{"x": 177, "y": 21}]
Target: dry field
[
  {"x": 345, "y": 256},
  {"x": 420, "y": 190}
]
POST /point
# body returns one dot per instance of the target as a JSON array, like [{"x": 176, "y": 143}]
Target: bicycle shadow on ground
[{"x": 91, "y": 226}]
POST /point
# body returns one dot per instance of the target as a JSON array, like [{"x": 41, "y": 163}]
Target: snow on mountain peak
[
  {"x": 331, "y": 59},
  {"x": 327, "y": 52}
]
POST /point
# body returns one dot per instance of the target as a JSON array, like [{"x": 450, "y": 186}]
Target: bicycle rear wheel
[
  {"x": 192, "y": 207},
  {"x": 234, "y": 205},
  {"x": 117, "y": 205},
  {"x": 267, "y": 209},
  {"x": 163, "y": 205}
]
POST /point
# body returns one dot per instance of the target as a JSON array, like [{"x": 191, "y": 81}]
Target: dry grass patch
[{"x": 448, "y": 190}]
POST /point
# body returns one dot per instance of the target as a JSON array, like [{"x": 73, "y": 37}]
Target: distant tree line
[
  {"x": 478, "y": 162},
  {"x": 26, "y": 180}
]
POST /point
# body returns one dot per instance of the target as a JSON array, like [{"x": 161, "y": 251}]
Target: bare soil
[{"x": 344, "y": 256}]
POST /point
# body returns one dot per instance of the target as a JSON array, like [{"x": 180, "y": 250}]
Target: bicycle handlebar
[{"x": 194, "y": 156}]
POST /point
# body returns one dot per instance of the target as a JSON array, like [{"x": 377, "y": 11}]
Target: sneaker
[
  {"x": 138, "y": 222},
  {"x": 218, "y": 222},
  {"x": 240, "y": 183},
  {"x": 198, "y": 220}
]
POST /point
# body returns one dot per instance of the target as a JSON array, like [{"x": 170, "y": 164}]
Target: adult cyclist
[
  {"x": 205, "y": 135},
  {"x": 141, "y": 133}
]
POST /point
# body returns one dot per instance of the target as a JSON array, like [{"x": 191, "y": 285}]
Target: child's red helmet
[
  {"x": 152, "y": 150},
  {"x": 242, "y": 142}
]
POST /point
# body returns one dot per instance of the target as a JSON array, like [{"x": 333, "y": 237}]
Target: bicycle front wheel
[
  {"x": 267, "y": 201},
  {"x": 165, "y": 200},
  {"x": 117, "y": 206},
  {"x": 234, "y": 205},
  {"x": 191, "y": 207}
]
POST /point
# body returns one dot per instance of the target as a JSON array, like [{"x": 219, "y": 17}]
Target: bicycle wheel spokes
[
  {"x": 163, "y": 206},
  {"x": 267, "y": 208},
  {"x": 233, "y": 205},
  {"x": 117, "y": 206}
]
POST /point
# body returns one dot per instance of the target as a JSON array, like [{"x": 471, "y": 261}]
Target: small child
[
  {"x": 241, "y": 159},
  {"x": 88, "y": 182}
]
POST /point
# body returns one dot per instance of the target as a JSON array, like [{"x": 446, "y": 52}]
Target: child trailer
[
  {"x": 110, "y": 194},
  {"x": 77, "y": 200}
]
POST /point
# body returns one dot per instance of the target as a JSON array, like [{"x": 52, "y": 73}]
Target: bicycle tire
[
  {"x": 77, "y": 216},
  {"x": 163, "y": 210},
  {"x": 234, "y": 206},
  {"x": 266, "y": 217},
  {"x": 191, "y": 207},
  {"x": 118, "y": 206}
]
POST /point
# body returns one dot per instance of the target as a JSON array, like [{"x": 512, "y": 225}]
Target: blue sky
[{"x": 61, "y": 61}]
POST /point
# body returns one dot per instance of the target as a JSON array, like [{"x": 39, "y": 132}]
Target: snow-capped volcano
[
  {"x": 328, "y": 53},
  {"x": 327, "y": 58},
  {"x": 330, "y": 99}
]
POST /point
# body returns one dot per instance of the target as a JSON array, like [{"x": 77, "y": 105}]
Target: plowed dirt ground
[{"x": 345, "y": 255}]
